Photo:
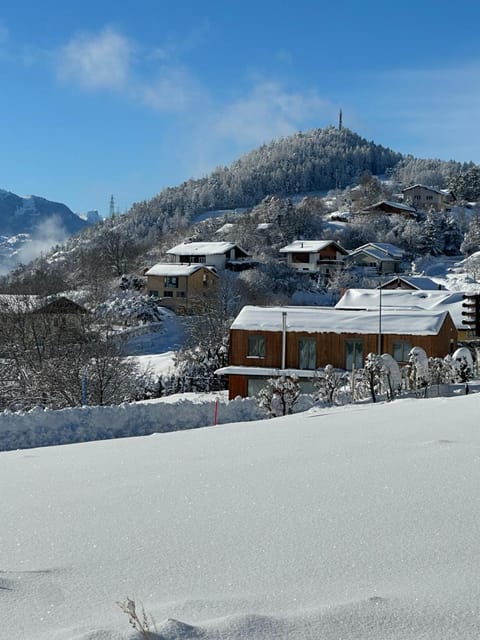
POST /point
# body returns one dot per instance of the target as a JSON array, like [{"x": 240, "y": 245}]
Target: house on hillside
[
  {"x": 221, "y": 255},
  {"x": 266, "y": 342},
  {"x": 315, "y": 256},
  {"x": 388, "y": 207},
  {"x": 56, "y": 315},
  {"x": 379, "y": 257},
  {"x": 408, "y": 300},
  {"x": 412, "y": 282},
  {"x": 181, "y": 287},
  {"x": 425, "y": 198}
]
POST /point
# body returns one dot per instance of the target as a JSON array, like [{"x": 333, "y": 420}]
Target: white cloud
[
  {"x": 174, "y": 90},
  {"x": 48, "y": 234},
  {"x": 99, "y": 61},
  {"x": 267, "y": 112}
]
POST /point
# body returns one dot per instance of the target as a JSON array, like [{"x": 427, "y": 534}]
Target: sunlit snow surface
[{"x": 353, "y": 523}]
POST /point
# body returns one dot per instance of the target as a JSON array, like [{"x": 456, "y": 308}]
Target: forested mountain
[{"x": 316, "y": 161}]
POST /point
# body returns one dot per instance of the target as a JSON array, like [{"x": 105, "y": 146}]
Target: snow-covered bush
[
  {"x": 373, "y": 374},
  {"x": 417, "y": 369},
  {"x": 391, "y": 375},
  {"x": 329, "y": 384},
  {"x": 280, "y": 395},
  {"x": 463, "y": 363},
  {"x": 195, "y": 371},
  {"x": 129, "y": 309}
]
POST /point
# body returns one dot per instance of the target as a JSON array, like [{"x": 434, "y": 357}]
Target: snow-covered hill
[{"x": 354, "y": 523}]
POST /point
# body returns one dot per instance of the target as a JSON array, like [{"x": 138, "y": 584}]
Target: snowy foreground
[{"x": 353, "y": 523}]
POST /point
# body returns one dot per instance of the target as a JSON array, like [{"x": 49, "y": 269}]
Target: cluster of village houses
[{"x": 403, "y": 312}]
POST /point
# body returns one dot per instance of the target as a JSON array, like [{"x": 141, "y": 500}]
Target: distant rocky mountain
[
  {"x": 27, "y": 214},
  {"x": 31, "y": 225}
]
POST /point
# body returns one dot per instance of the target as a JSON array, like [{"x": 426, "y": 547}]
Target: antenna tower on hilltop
[
  {"x": 112, "y": 206},
  {"x": 340, "y": 123}
]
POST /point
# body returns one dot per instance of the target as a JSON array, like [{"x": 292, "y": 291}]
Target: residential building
[
  {"x": 315, "y": 256},
  {"x": 390, "y": 208},
  {"x": 181, "y": 287},
  {"x": 221, "y": 255},
  {"x": 270, "y": 341},
  {"x": 425, "y": 198},
  {"x": 381, "y": 257}
]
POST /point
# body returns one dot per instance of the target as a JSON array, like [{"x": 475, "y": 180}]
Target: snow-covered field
[{"x": 354, "y": 523}]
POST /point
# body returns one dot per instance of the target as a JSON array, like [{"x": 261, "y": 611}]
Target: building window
[
  {"x": 428, "y": 197},
  {"x": 153, "y": 293},
  {"x": 171, "y": 282},
  {"x": 255, "y": 385},
  {"x": 307, "y": 353},
  {"x": 401, "y": 350},
  {"x": 168, "y": 294},
  {"x": 353, "y": 354},
  {"x": 300, "y": 257},
  {"x": 418, "y": 197},
  {"x": 180, "y": 294},
  {"x": 256, "y": 346}
]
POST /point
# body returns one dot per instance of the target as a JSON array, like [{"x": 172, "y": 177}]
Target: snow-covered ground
[{"x": 354, "y": 523}]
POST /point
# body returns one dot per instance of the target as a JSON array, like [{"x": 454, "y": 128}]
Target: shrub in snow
[
  {"x": 140, "y": 621},
  {"x": 195, "y": 371},
  {"x": 129, "y": 309},
  {"x": 392, "y": 375},
  {"x": 463, "y": 363},
  {"x": 329, "y": 384},
  {"x": 417, "y": 369},
  {"x": 373, "y": 374},
  {"x": 280, "y": 395}
]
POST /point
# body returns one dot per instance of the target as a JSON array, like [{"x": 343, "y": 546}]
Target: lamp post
[{"x": 379, "y": 345}]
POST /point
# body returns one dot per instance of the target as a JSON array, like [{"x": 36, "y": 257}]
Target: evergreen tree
[{"x": 471, "y": 240}]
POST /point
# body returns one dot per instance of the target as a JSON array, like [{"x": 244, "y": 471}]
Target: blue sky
[{"x": 125, "y": 98}]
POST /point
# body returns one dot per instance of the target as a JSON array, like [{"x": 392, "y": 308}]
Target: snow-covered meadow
[{"x": 357, "y": 522}]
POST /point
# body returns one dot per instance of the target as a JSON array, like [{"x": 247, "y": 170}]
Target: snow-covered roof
[
  {"x": 171, "y": 269},
  {"x": 307, "y": 246},
  {"x": 419, "y": 282},
  {"x": 442, "y": 192},
  {"x": 404, "y": 300},
  {"x": 201, "y": 248},
  {"x": 335, "y": 320},
  {"x": 390, "y": 203},
  {"x": 227, "y": 227},
  {"x": 262, "y": 371},
  {"x": 380, "y": 250}
]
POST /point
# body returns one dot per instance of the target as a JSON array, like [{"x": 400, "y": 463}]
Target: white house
[
  {"x": 221, "y": 255},
  {"x": 315, "y": 256}
]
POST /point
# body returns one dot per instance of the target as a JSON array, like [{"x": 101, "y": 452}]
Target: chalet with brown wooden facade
[
  {"x": 270, "y": 341},
  {"x": 181, "y": 287}
]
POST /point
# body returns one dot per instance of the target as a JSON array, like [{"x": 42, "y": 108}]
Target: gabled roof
[
  {"x": 333, "y": 320},
  {"x": 55, "y": 304},
  {"x": 416, "y": 282},
  {"x": 380, "y": 251},
  {"x": 390, "y": 203},
  {"x": 423, "y": 186},
  {"x": 311, "y": 246},
  {"x": 173, "y": 269},
  {"x": 203, "y": 248}
]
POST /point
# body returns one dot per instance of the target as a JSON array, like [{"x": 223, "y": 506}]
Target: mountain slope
[{"x": 26, "y": 214}]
